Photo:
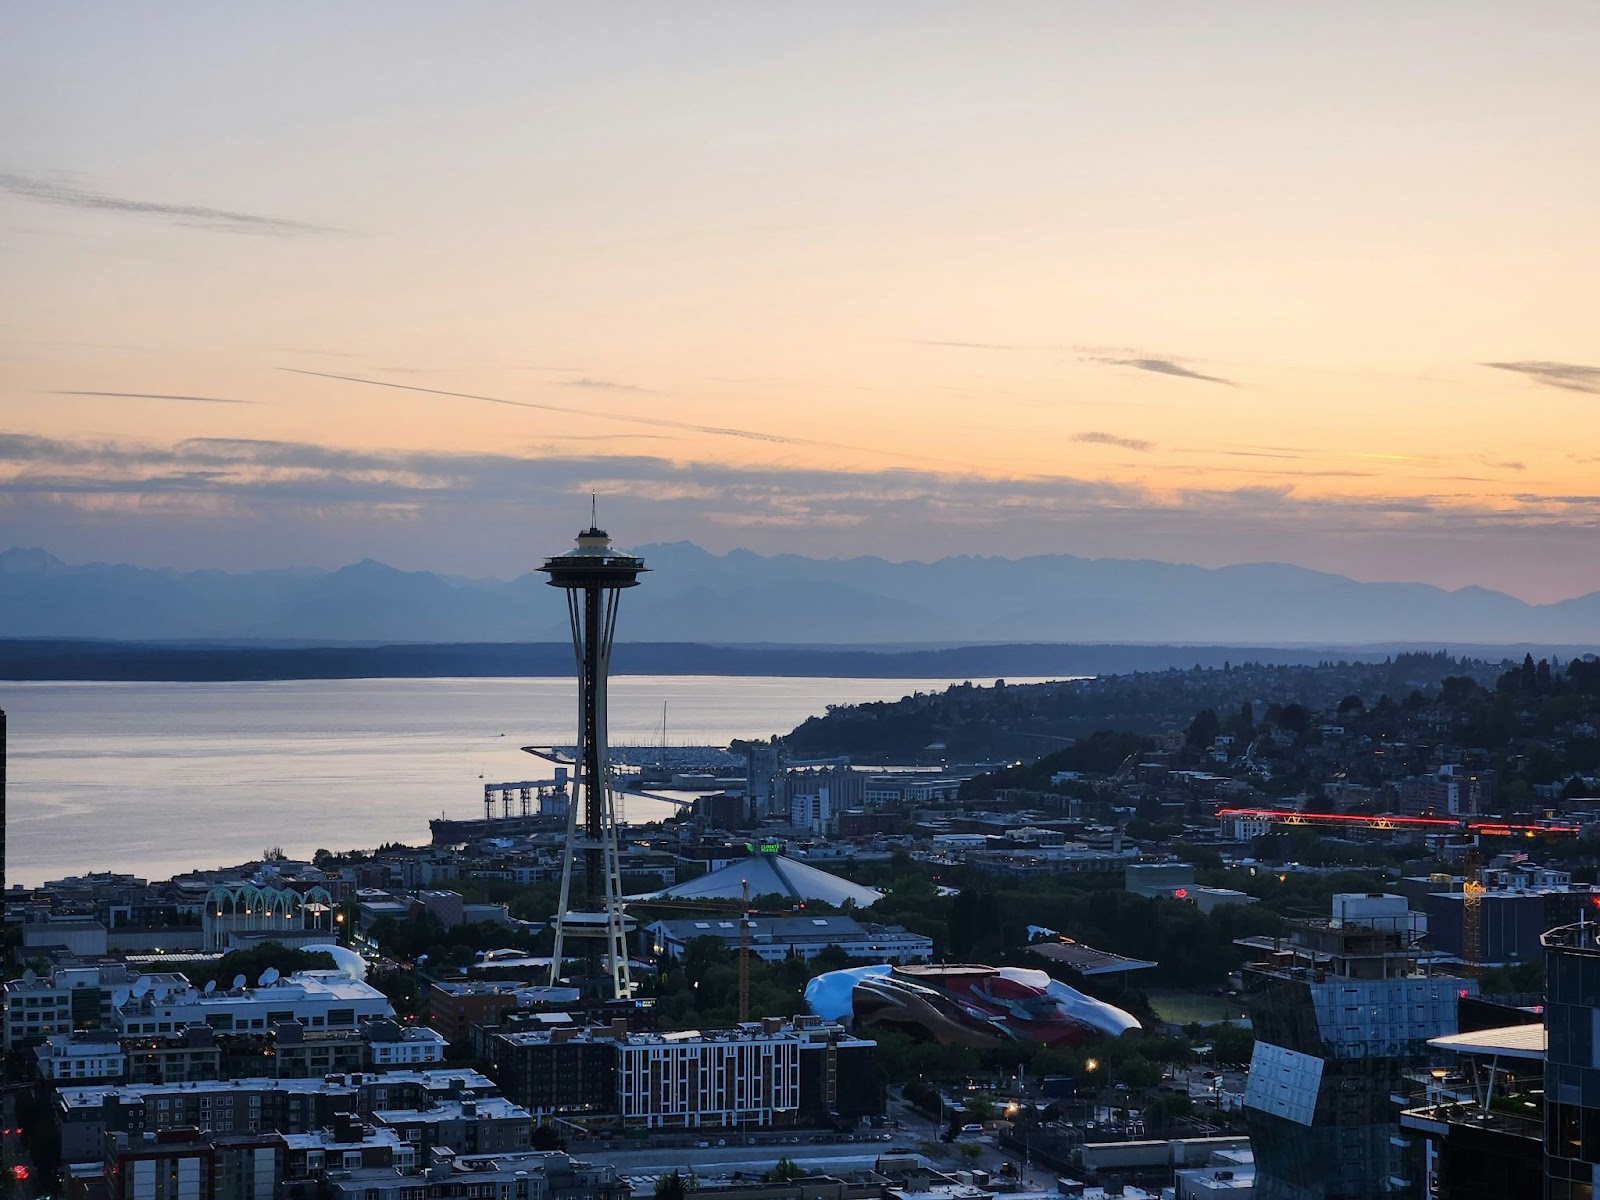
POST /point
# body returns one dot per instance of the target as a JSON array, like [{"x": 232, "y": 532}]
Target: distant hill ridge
[{"x": 746, "y": 598}]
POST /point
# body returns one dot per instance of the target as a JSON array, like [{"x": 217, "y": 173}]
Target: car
[{"x": 972, "y": 1128}]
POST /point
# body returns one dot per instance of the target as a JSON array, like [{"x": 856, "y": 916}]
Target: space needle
[{"x": 593, "y": 575}]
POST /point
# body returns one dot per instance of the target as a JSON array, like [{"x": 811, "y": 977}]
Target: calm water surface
[{"x": 159, "y": 778}]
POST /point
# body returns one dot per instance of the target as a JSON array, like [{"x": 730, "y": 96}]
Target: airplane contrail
[{"x": 630, "y": 418}]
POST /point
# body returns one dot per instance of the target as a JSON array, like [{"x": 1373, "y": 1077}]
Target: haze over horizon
[
  {"x": 1214, "y": 284},
  {"x": 746, "y": 598},
  {"x": 528, "y": 569}
]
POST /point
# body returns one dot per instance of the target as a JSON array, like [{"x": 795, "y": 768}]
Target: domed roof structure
[{"x": 770, "y": 874}]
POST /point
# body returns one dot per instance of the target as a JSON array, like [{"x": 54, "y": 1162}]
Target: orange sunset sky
[{"x": 1211, "y": 283}]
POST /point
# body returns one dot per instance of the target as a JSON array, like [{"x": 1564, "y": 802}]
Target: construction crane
[
  {"x": 1472, "y": 885},
  {"x": 746, "y": 918},
  {"x": 744, "y": 951},
  {"x": 1472, "y": 889}
]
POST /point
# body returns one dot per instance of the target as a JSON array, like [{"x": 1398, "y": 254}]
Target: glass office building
[{"x": 1342, "y": 1011}]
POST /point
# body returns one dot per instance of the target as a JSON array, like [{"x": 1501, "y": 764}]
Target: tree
[
  {"x": 786, "y": 1170},
  {"x": 1203, "y": 729},
  {"x": 829, "y": 958},
  {"x": 1243, "y": 725},
  {"x": 251, "y": 963},
  {"x": 1296, "y": 718},
  {"x": 671, "y": 1186},
  {"x": 546, "y": 1138},
  {"x": 1233, "y": 1043},
  {"x": 977, "y": 1108}
]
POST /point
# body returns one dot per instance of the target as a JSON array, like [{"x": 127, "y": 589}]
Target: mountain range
[{"x": 743, "y": 598}]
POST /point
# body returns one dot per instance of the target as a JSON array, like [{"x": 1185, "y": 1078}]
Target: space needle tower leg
[{"x": 593, "y": 576}]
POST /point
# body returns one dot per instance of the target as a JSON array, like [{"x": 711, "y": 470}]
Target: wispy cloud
[
  {"x": 1095, "y": 437},
  {"x": 607, "y": 437},
  {"x": 978, "y": 345},
  {"x": 303, "y": 474},
  {"x": 156, "y": 396},
  {"x": 629, "y": 418},
  {"x": 1104, "y": 355},
  {"x": 604, "y": 385},
  {"x": 282, "y": 502},
  {"x": 1572, "y": 377},
  {"x": 1166, "y": 366},
  {"x": 71, "y": 195}
]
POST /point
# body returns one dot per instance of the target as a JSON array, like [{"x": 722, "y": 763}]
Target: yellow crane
[
  {"x": 1472, "y": 889},
  {"x": 744, "y": 951},
  {"x": 747, "y": 915}
]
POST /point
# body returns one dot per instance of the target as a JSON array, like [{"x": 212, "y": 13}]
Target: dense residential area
[{"x": 1107, "y": 929}]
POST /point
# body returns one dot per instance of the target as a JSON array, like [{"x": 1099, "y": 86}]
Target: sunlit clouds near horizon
[{"x": 1212, "y": 284}]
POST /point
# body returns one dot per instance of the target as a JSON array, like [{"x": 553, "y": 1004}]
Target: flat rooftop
[
  {"x": 1508, "y": 1041},
  {"x": 1086, "y": 960},
  {"x": 95, "y": 1096}
]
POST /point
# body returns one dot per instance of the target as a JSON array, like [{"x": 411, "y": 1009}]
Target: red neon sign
[{"x": 1383, "y": 821}]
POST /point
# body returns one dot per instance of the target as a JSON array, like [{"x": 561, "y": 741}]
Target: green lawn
[{"x": 1184, "y": 1008}]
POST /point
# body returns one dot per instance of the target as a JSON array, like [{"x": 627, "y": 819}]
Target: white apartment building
[
  {"x": 67, "y": 998},
  {"x": 688, "y": 1079},
  {"x": 814, "y": 811},
  {"x": 319, "y": 1000},
  {"x": 64, "y": 1058},
  {"x": 393, "y": 1045}
]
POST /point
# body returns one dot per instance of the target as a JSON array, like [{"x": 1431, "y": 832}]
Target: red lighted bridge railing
[{"x": 1385, "y": 821}]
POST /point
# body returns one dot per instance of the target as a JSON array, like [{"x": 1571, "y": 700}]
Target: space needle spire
[{"x": 593, "y": 575}]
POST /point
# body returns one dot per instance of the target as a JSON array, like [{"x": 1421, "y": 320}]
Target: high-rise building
[
  {"x": 1572, "y": 1062},
  {"x": 1341, "y": 1012},
  {"x": 1474, "y": 1130},
  {"x": 593, "y": 576}
]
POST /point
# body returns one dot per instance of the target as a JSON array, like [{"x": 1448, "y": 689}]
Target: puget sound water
[{"x": 154, "y": 779}]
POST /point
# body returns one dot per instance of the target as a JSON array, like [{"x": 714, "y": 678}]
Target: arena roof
[{"x": 770, "y": 874}]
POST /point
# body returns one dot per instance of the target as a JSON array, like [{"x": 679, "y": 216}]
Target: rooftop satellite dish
[
  {"x": 119, "y": 997},
  {"x": 238, "y": 982},
  {"x": 211, "y": 986},
  {"x": 269, "y": 976},
  {"x": 30, "y": 976},
  {"x": 141, "y": 986}
]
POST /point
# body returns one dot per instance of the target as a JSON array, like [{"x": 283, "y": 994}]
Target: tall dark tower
[{"x": 593, "y": 575}]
